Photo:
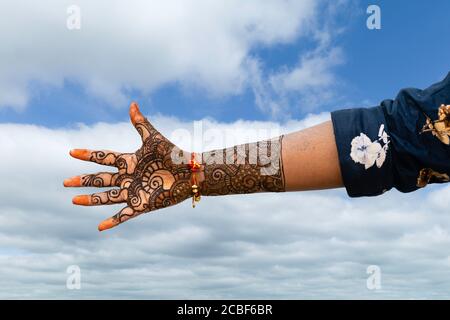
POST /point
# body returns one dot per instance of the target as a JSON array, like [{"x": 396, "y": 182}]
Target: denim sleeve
[{"x": 402, "y": 143}]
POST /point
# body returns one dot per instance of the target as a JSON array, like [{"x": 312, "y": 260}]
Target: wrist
[
  {"x": 195, "y": 176},
  {"x": 200, "y": 173}
]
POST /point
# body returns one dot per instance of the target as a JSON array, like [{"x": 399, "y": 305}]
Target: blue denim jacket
[{"x": 402, "y": 143}]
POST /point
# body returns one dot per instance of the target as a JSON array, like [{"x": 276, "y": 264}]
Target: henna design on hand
[
  {"x": 147, "y": 180},
  {"x": 157, "y": 174},
  {"x": 249, "y": 168}
]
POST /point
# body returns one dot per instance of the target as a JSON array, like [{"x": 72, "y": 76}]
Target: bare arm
[{"x": 310, "y": 159}]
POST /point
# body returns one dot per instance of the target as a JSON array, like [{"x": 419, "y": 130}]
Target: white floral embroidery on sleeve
[{"x": 368, "y": 152}]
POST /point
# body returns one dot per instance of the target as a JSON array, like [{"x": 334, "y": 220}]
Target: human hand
[{"x": 147, "y": 179}]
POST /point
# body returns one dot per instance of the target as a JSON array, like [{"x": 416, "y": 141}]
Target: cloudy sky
[{"x": 273, "y": 66}]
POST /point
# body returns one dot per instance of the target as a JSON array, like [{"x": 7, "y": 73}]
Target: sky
[{"x": 274, "y": 67}]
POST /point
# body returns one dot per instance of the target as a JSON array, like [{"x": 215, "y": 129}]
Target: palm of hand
[{"x": 147, "y": 180}]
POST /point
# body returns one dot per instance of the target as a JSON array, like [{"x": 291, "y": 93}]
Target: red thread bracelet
[{"x": 195, "y": 167}]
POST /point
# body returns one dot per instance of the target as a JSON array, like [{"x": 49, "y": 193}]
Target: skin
[{"x": 157, "y": 175}]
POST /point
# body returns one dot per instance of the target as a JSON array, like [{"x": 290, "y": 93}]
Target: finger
[
  {"x": 99, "y": 180},
  {"x": 142, "y": 125},
  {"x": 123, "y": 215},
  {"x": 135, "y": 114},
  {"x": 105, "y": 157},
  {"x": 97, "y": 199}
]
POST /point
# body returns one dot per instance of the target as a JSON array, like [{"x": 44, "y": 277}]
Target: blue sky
[
  {"x": 411, "y": 49},
  {"x": 234, "y": 65}
]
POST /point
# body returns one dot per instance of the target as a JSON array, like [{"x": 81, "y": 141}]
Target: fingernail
[
  {"x": 107, "y": 224},
  {"x": 78, "y": 153},
  {"x": 81, "y": 200},
  {"x": 135, "y": 113},
  {"x": 72, "y": 182}
]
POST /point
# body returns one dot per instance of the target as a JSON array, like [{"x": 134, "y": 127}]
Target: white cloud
[
  {"x": 140, "y": 45},
  {"x": 310, "y": 82},
  {"x": 293, "y": 245},
  {"x": 313, "y": 71}
]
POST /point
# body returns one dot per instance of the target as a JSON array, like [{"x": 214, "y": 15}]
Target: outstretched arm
[
  {"x": 157, "y": 175},
  {"x": 402, "y": 143}
]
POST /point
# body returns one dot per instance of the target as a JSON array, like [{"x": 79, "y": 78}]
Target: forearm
[{"x": 303, "y": 160}]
